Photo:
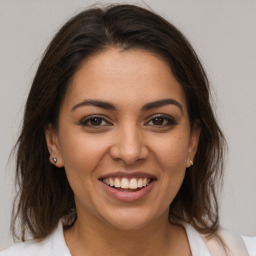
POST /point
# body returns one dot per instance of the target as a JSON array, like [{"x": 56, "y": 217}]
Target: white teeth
[
  {"x": 125, "y": 183},
  {"x": 140, "y": 183},
  {"x": 106, "y": 181},
  {"x": 117, "y": 183},
  {"x": 111, "y": 182},
  {"x": 133, "y": 184}
]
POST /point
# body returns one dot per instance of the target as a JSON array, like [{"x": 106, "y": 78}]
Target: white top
[{"x": 55, "y": 245}]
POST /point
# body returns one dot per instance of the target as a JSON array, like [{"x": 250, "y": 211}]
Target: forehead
[{"x": 124, "y": 77}]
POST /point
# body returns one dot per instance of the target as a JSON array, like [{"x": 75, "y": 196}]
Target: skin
[{"x": 127, "y": 140}]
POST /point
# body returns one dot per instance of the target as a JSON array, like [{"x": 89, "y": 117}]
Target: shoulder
[
  {"x": 250, "y": 243},
  {"x": 235, "y": 244},
  {"x": 53, "y": 245},
  {"x": 27, "y": 248}
]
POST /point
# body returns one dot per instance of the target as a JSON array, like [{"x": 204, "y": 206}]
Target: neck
[{"x": 159, "y": 238}]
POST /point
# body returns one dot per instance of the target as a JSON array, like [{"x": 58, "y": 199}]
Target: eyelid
[
  {"x": 164, "y": 116},
  {"x": 84, "y": 121},
  {"x": 90, "y": 117}
]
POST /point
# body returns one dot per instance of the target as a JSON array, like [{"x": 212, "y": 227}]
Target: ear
[
  {"x": 52, "y": 141},
  {"x": 193, "y": 143}
]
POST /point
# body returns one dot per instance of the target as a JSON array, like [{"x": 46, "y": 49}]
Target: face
[{"x": 124, "y": 138}]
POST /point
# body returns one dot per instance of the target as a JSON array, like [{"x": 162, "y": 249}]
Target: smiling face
[{"x": 124, "y": 138}]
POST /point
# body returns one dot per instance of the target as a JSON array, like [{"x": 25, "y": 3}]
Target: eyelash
[
  {"x": 85, "y": 121},
  {"x": 167, "y": 120}
]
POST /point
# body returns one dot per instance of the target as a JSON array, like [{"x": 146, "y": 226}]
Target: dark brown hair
[{"x": 44, "y": 194}]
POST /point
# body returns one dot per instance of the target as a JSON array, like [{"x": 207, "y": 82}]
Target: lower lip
[{"x": 128, "y": 197}]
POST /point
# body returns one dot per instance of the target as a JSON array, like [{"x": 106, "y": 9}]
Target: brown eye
[
  {"x": 94, "y": 121},
  {"x": 158, "y": 121},
  {"x": 161, "y": 121}
]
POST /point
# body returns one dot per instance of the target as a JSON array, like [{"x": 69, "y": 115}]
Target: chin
[{"x": 129, "y": 219}]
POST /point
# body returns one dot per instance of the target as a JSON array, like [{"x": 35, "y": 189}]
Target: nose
[{"x": 129, "y": 145}]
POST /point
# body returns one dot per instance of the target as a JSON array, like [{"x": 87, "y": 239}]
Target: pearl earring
[
  {"x": 191, "y": 162},
  {"x": 54, "y": 160}
]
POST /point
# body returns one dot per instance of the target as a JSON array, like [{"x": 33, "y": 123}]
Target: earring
[
  {"x": 191, "y": 162},
  {"x": 54, "y": 160}
]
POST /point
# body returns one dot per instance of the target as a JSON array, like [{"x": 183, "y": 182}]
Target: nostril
[{"x": 128, "y": 153}]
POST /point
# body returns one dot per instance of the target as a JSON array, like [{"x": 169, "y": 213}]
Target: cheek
[
  {"x": 81, "y": 154},
  {"x": 170, "y": 155},
  {"x": 81, "y": 157},
  {"x": 171, "y": 152}
]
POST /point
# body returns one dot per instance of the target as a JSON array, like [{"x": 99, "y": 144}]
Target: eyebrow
[
  {"x": 110, "y": 106},
  {"x": 96, "y": 103},
  {"x": 161, "y": 103}
]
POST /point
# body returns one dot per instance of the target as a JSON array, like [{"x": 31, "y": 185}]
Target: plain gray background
[{"x": 223, "y": 32}]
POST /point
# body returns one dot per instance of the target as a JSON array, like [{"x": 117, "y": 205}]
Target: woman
[{"x": 120, "y": 152}]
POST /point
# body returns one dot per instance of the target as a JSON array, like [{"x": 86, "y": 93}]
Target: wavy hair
[{"x": 44, "y": 194}]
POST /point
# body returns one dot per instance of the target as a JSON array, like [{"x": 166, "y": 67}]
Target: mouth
[
  {"x": 127, "y": 184},
  {"x": 128, "y": 187}
]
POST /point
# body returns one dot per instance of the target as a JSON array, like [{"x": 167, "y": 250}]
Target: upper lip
[{"x": 128, "y": 175}]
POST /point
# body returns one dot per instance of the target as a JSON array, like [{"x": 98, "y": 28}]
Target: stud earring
[
  {"x": 191, "y": 162},
  {"x": 54, "y": 160}
]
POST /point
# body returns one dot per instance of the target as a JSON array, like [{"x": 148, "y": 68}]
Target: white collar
[
  {"x": 196, "y": 242},
  {"x": 58, "y": 242}
]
